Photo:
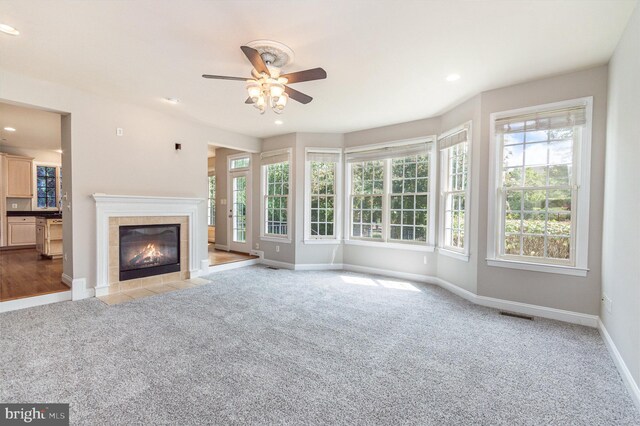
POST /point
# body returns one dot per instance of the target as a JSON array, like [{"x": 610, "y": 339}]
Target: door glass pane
[{"x": 239, "y": 213}]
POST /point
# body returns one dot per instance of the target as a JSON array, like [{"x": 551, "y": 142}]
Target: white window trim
[
  {"x": 263, "y": 187},
  {"x": 34, "y": 199},
  {"x": 449, "y": 251},
  {"x": 233, "y": 157},
  {"x": 337, "y": 208},
  {"x": 429, "y": 246},
  {"x": 583, "y": 177}
]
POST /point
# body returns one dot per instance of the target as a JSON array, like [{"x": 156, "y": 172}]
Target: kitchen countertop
[{"x": 48, "y": 214}]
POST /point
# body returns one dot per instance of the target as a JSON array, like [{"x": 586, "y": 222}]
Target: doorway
[
  {"x": 238, "y": 196},
  {"x": 31, "y": 206}
]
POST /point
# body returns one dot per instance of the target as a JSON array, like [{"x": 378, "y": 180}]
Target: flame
[{"x": 150, "y": 254}]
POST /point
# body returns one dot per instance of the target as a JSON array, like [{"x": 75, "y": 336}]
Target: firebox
[{"x": 147, "y": 250}]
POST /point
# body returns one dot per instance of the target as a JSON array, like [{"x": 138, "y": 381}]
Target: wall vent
[{"x": 514, "y": 315}]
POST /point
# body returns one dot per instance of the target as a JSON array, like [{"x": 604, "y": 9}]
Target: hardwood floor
[
  {"x": 23, "y": 273},
  {"x": 218, "y": 257}
]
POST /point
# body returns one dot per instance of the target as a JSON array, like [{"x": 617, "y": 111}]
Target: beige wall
[
  {"x": 621, "y": 233},
  {"x": 465, "y": 274},
  {"x": 287, "y": 253},
  {"x": 142, "y": 162},
  {"x": 312, "y": 253},
  {"x": 578, "y": 294}
]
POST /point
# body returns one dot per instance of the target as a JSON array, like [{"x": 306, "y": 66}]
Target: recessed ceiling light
[
  {"x": 173, "y": 101},
  {"x": 279, "y": 122},
  {"x": 8, "y": 29},
  {"x": 453, "y": 77},
  {"x": 10, "y": 129}
]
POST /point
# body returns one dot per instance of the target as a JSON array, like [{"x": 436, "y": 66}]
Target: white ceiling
[
  {"x": 386, "y": 60},
  {"x": 35, "y": 129}
]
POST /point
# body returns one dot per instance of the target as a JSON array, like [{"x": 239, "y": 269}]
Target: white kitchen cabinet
[{"x": 21, "y": 230}]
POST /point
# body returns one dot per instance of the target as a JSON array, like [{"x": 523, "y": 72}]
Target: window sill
[
  {"x": 285, "y": 240},
  {"x": 398, "y": 246},
  {"x": 539, "y": 267},
  {"x": 453, "y": 254},
  {"x": 323, "y": 241}
]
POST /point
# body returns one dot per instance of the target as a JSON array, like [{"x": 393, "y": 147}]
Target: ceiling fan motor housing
[{"x": 273, "y": 53}]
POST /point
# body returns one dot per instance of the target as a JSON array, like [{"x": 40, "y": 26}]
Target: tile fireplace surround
[
  {"x": 115, "y": 210},
  {"x": 115, "y": 285}
]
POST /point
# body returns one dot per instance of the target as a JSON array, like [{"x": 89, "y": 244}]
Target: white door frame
[{"x": 231, "y": 174}]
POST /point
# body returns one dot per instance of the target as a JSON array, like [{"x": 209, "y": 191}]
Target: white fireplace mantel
[{"x": 108, "y": 206}]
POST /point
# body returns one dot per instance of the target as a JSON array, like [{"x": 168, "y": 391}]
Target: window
[
  {"x": 321, "y": 199},
  {"x": 236, "y": 163},
  {"x": 47, "y": 178},
  {"x": 390, "y": 194},
  {"x": 542, "y": 184},
  {"x": 409, "y": 198},
  {"x": 276, "y": 181},
  {"x": 454, "y": 155},
  {"x": 212, "y": 201},
  {"x": 367, "y": 192}
]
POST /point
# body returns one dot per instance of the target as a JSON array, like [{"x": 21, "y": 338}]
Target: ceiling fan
[{"x": 267, "y": 86}]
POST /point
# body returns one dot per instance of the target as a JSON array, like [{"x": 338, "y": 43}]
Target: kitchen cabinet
[
  {"x": 21, "y": 231},
  {"x": 19, "y": 177},
  {"x": 49, "y": 237}
]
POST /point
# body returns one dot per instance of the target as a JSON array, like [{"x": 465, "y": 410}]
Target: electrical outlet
[
  {"x": 425, "y": 260},
  {"x": 277, "y": 249},
  {"x": 223, "y": 201},
  {"x": 65, "y": 257},
  {"x": 607, "y": 302},
  {"x": 119, "y": 131},
  {"x": 14, "y": 205},
  {"x": 257, "y": 246}
]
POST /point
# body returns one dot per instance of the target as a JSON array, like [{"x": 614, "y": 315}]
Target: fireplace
[{"x": 147, "y": 250}]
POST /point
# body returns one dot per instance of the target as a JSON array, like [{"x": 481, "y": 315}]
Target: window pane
[
  {"x": 277, "y": 189},
  {"x": 537, "y": 207}
]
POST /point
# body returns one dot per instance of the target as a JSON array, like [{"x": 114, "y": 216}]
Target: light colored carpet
[{"x": 261, "y": 346}]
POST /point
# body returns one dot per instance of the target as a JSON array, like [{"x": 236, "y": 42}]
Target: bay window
[{"x": 390, "y": 191}]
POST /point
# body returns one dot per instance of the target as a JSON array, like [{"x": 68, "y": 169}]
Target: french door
[{"x": 239, "y": 217}]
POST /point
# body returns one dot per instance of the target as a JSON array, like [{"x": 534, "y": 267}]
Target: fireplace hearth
[{"x": 147, "y": 250}]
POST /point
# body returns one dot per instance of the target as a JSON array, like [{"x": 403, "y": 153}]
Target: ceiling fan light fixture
[
  {"x": 279, "y": 105},
  {"x": 254, "y": 90},
  {"x": 276, "y": 89}
]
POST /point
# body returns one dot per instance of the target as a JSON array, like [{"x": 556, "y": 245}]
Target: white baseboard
[
  {"x": 627, "y": 378},
  {"x": 319, "y": 266},
  {"x": 79, "y": 288},
  {"x": 221, "y": 247},
  {"x": 232, "y": 265},
  {"x": 204, "y": 269},
  {"x": 389, "y": 273},
  {"x": 521, "y": 308},
  {"x": 508, "y": 305},
  {"x": 101, "y": 291},
  {"x": 30, "y": 302},
  {"x": 277, "y": 264},
  {"x": 67, "y": 280}
]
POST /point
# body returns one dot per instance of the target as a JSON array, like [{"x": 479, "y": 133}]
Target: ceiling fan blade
[
  {"x": 256, "y": 60},
  {"x": 248, "y": 101},
  {"x": 224, "y": 77},
  {"x": 297, "y": 96},
  {"x": 306, "y": 75}
]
